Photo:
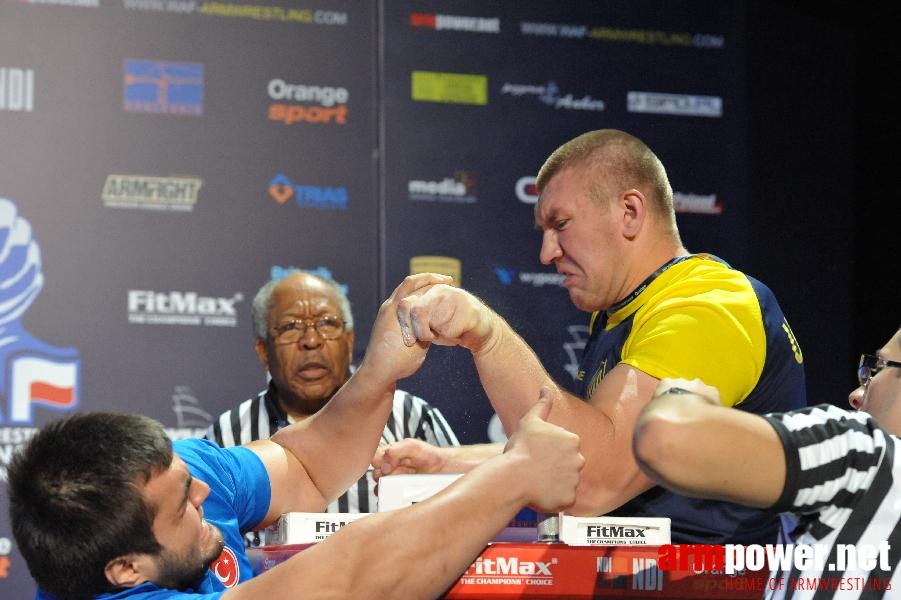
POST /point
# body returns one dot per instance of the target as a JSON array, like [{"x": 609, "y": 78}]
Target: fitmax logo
[
  {"x": 608, "y": 531},
  {"x": 510, "y": 566}
]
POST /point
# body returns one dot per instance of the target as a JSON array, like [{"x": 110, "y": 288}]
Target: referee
[{"x": 304, "y": 333}]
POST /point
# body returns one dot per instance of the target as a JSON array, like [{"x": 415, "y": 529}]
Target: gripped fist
[
  {"x": 444, "y": 315},
  {"x": 388, "y": 352},
  {"x": 409, "y": 455},
  {"x": 552, "y": 453}
]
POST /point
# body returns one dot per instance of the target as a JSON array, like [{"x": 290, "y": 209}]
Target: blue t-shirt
[{"x": 238, "y": 500}]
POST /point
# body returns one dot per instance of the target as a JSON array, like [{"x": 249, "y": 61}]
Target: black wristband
[{"x": 676, "y": 390}]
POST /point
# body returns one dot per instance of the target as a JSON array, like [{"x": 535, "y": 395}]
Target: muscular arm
[
  {"x": 696, "y": 447},
  {"x": 605, "y": 423},
  {"x": 512, "y": 374},
  {"x": 440, "y": 536}
]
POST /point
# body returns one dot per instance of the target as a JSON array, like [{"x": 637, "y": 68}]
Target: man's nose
[
  {"x": 855, "y": 398},
  {"x": 550, "y": 247}
]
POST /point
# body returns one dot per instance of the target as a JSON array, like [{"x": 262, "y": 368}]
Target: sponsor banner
[
  {"x": 686, "y": 105},
  {"x": 151, "y": 193},
  {"x": 455, "y": 23},
  {"x": 282, "y": 189},
  {"x": 307, "y": 103},
  {"x": 457, "y": 189},
  {"x": 16, "y": 89},
  {"x": 651, "y": 37},
  {"x": 551, "y": 95},
  {"x": 450, "y": 88},
  {"x": 306, "y": 527},
  {"x": 148, "y": 307},
  {"x": 242, "y": 10},
  {"x": 614, "y": 531},
  {"x": 443, "y": 265},
  {"x": 155, "y": 86},
  {"x": 530, "y": 570}
]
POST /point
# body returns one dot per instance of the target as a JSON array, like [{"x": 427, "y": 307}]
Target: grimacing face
[
  {"x": 582, "y": 240},
  {"x": 190, "y": 543},
  {"x": 307, "y": 372}
]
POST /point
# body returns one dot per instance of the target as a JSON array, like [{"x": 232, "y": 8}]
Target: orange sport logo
[{"x": 302, "y": 103}]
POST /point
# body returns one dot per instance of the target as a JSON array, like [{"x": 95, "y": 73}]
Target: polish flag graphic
[{"x": 41, "y": 381}]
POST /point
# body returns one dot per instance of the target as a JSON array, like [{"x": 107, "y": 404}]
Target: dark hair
[{"x": 75, "y": 498}]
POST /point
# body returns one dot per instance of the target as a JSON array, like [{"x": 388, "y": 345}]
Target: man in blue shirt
[{"x": 105, "y": 506}]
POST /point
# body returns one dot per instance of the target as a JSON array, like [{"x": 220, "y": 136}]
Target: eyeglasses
[
  {"x": 328, "y": 327},
  {"x": 870, "y": 365}
]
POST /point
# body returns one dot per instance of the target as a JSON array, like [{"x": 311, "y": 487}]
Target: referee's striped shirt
[
  {"x": 260, "y": 417},
  {"x": 843, "y": 487}
]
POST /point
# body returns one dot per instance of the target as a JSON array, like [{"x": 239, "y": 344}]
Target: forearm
[
  {"x": 700, "y": 449},
  {"x": 463, "y": 459},
  {"x": 510, "y": 373},
  {"x": 440, "y": 536},
  {"x": 347, "y": 430}
]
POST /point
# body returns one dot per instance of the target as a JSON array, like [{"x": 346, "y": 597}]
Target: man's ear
[
  {"x": 260, "y": 347},
  {"x": 349, "y": 340},
  {"x": 129, "y": 570},
  {"x": 635, "y": 211}
]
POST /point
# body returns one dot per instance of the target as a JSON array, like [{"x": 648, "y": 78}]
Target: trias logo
[
  {"x": 181, "y": 308},
  {"x": 308, "y": 196},
  {"x": 510, "y": 566},
  {"x": 302, "y": 103}
]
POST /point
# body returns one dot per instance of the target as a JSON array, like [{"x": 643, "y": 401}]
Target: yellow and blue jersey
[{"x": 698, "y": 317}]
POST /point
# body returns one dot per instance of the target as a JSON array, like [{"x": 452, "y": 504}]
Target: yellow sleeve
[{"x": 695, "y": 329}]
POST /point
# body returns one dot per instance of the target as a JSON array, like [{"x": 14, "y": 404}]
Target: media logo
[
  {"x": 686, "y": 105},
  {"x": 450, "y": 88},
  {"x": 151, "y": 193},
  {"x": 458, "y": 188},
  {"x": 526, "y": 190},
  {"x": 282, "y": 189},
  {"x": 182, "y": 308},
  {"x": 16, "y": 89},
  {"x": 455, "y": 23},
  {"x": 312, "y": 104},
  {"x": 33, "y": 373},
  {"x": 443, "y": 265},
  {"x": 154, "y": 86},
  {"x": 550, "y": 95}
]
